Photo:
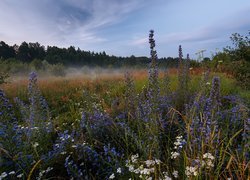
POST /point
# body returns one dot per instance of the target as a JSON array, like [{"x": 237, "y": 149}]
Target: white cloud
[
  {"x": 139, "y": 41},
  {"x": 60, "y": 22}
]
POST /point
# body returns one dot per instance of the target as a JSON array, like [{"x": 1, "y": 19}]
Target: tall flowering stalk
[
  {"x": 183, "y": 81},
  {"x": 151, "y": 104},
  {"x": 153, "y": 87},
  {"x": 130, "y": 98},
  {"x": 36, "y": 113},
  {"x": 215, "y": 92}
]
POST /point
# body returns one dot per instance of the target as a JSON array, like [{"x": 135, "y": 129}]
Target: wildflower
[
  {"x": 20, "y": 175},
  {"x": 166, "y": 177},
  {"x": 210, "y": 164},
  {"x": 208, "y": 83},
  {"x": 119, "y": 170},
  {"x": 153, "y": 85},
  {"x": 12, "y": 172},
  {"x": 137, "y": 171},
  {"x": 3, "y": 175},
  {"x": 49, "y": 169},
  {"x": 174, "y": 155},
  {"x": 175, "y": 174},
  {"x": 35, "y": 144},
  {"x": 191, "y": 171},
  {"x": 112, "y": 176},
  {"x": 179, "y": 142},
  {"x": 134, "y": 158},
  {"x": 157, "y": 161},
  {"x": 131, "y": 168},
  {"x": 215, "y": 91},
  {"x": 147, "y": 171},
  {"x": 150, "y": 163},
  {"x": 208, "y": 156}
]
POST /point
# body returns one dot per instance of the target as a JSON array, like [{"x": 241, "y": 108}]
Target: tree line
[{"x": 28, "y": 52}]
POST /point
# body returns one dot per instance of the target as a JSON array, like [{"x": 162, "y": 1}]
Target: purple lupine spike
[
  {"x": 215, "y": 92},
  {"x": 180, "y": 53},
  {"x": 153, "y": 69}
]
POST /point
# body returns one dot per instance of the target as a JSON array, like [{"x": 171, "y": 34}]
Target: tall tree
[
  {"x": 6, "y": 51},
  {"x": 24, "y": 53}
]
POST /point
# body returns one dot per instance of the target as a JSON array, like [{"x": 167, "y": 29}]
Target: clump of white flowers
[
  {"x": 208, "y": 160},
  {"x": 144, "y": 169},
  {"x": 175, "y": 174},
  {"x": 4, "y": 175},
  {"x": 178, "y": 144},
  {"x": 191, "y": 171},
  {"x": 174, "y": 155}
]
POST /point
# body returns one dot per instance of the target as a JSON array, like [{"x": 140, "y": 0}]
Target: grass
[{"x": 91, "y": 130}]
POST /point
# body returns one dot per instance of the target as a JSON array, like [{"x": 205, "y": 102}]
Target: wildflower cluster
[
  {"x": 191, "y": 171},
  {"x": 178, "y": 145},
  {"x": 208, "y": 160},
  {"x": 142, "y": 169}
]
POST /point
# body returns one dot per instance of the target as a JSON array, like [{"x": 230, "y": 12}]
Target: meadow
[{"x": 185, "y": 123}]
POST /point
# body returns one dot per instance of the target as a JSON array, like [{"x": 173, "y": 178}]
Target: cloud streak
[{"x": 60, "y": 21}]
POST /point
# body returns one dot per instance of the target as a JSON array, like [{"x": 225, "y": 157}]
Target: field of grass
[
  {"x": 62, "y": 92},
  {"x": 117, "y": 126},
  {"x": 184, "y": 123}
]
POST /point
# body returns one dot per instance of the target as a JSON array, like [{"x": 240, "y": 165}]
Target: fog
[{"x": 88, "y": 73}]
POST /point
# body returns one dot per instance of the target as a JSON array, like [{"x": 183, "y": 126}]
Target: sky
[{"x": 121, "y": 27}]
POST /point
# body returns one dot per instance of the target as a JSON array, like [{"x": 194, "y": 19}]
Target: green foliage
[
  {"x": 3, "y": 77},
  {"x": 37, "y": 65},
  {"x": 241, "y": 51},
  {"x": 58, "y": 70},
  {"x": 242, "y": 73},
  {"x": 6, "y": 51},
  {"x": 235, "y": 60},
  {"x": 13, "y": 66}
]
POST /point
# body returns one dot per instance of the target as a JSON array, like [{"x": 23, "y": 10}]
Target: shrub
[
  {"x": 3, "y": 77},
  {"x": 58, "y": 70}
]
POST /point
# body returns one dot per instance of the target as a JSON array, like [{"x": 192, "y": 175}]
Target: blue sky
[{"x": 121, "y": 27}]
